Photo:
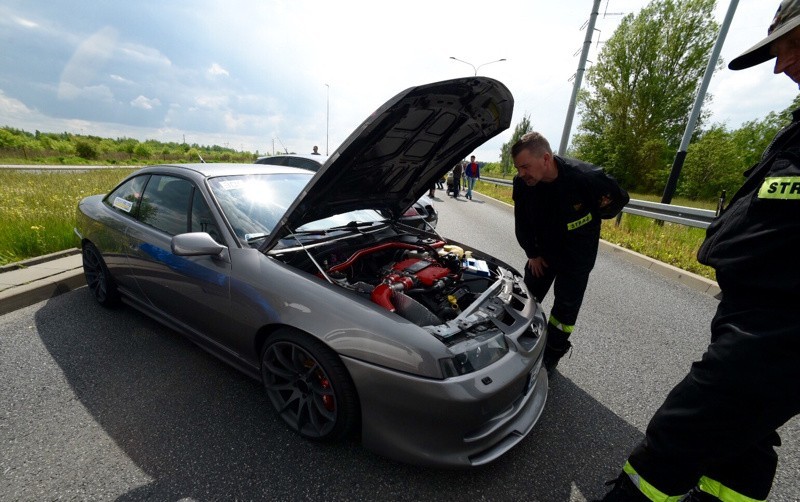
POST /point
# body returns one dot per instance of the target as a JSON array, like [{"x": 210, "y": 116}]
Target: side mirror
[{"x": 195, "y": 244}]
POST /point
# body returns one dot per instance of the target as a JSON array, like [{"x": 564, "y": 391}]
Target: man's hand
[{"x": 537, "y": 266}]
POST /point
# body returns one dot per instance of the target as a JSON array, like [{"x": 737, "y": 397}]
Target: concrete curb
[
  {"x": 36, "y": 260},
  {"x": 694, "y": 281},
  {"x": 24, "y": 286}
]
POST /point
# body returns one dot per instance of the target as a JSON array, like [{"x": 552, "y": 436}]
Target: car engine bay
[{"x": 435, "y": 285}]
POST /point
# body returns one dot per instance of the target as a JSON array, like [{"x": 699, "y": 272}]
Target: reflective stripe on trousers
[
  {"x": 705, "y": 484},
  {"x": 566, "y": 328}
]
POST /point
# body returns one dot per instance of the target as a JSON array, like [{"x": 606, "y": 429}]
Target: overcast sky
[{"x": 263, "y": 74}]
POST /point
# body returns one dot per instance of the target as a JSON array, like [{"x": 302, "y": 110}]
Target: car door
[
  {"x": 191, "y": 290},
  {"x": 122, "y": 205}
]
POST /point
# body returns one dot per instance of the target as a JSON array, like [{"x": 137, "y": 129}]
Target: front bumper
[{"x": 463, "y": 421}]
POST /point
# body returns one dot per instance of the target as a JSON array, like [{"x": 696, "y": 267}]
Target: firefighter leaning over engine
[
  {"x": 713, "y": 438},
  {"x": 558, "y": 205}
]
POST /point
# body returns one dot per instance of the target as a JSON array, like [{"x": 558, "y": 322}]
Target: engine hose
[
  {"x": 380, "y": 247},
  {"x": 382, "y": 295}
]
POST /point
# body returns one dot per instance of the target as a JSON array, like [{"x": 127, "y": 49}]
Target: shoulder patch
[{"x": 781, "y": 187}]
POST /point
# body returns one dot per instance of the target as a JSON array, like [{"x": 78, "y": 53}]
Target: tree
[
  {"x": 717, "y": 159},
  {"x": 712, "y": 165},
  {"x": 642, "y": 90},
  {"x": 520, "y": 130}
]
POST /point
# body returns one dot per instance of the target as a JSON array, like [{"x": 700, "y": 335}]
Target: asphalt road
[{"x": 101, "y": 405}]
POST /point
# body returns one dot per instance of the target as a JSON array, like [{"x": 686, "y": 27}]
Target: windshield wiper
[
  {"x": 251, "y": 238},
  {"x": 353, "y": 225}
]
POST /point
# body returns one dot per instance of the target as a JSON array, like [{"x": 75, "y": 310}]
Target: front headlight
[{"x": 473, "y": 354}]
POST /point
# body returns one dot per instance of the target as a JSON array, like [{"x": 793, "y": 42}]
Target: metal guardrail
[{"x": 689, "y": 216}]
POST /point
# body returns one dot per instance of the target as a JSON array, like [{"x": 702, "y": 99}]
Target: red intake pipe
[{"x": 380, "y": 247}]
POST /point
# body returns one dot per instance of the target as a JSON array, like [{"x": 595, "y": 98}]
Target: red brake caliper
[{"x": 327, "y": 399}]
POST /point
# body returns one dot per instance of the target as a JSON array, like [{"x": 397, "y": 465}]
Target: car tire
[
  {"x": 98, "y": 278},
  {"x": 309, "y": 386}
]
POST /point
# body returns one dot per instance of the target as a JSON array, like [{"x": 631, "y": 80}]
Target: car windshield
[{"x": 255, "y": 203}]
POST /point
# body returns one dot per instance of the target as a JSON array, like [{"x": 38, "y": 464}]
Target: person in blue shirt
[{"x": 472, "y": 172}]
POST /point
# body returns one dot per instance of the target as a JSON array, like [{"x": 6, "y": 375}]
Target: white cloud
[
  {"x": 69, "y": 91},
  {"x": 215, "y": 102},
  {"x": 120, "y": 79},
  {"x": 216, "y": 70},
  {"x": 13, "y": 110},
  {"x": 144, "y": 55},
  {"x": 145, "y": 103},
  {"x": 25, "y": 23}
]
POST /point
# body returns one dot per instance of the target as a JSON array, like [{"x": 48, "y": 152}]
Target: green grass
[
  {"x": 37, "y": 209},
  {"x": 669, "y": 243},
  {"x": 37, "y": 216}
]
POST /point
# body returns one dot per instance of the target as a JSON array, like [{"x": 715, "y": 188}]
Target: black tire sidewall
[{"x": 347, "y": 403}]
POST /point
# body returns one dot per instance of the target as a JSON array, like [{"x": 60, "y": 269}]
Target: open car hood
[{"x": 400, "y": 151}]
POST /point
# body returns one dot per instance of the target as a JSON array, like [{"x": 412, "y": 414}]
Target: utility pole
[
  {"x": 587, "y": 44},
  {"x": 327, "y": 116},
  {"x": 680, "y": 157}
]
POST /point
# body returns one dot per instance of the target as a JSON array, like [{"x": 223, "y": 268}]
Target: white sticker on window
[
  {"x": 232, "y": 184},
  {"x": 123, "y": 204}
]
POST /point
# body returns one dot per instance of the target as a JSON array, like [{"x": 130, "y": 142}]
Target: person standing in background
[
  {"x": 472, "y": 173},
  {"x": 457, "y": 171}
]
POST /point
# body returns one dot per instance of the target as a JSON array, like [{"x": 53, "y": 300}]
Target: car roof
[
  {"x": 320, "y": 159},
  {"x": 209, "y": 170}
]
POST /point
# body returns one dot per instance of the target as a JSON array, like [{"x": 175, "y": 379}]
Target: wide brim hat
[{"x": 786, "y": 19}]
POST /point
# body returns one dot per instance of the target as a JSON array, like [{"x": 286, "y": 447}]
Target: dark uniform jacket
[
  {"x": 560, "y": 220},
  {"x": 754, "y": 245}
]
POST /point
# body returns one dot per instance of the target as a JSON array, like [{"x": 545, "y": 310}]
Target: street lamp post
[
  {"x": 478, "y": 67},
  {"x": 327, "y": 115}
]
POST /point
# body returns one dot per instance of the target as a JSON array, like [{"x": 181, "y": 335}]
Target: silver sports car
[{"x": 309, "y": 282}]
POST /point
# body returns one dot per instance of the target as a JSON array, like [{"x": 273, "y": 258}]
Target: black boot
[
  {"x": 623, "y": 491},
  {"x": 557, "y": 346},
  {"x": 697, "y": 495}
]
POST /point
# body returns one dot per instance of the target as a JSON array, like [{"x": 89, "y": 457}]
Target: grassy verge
[
  {"x": 669, "y": 243},
  {"x": 37, "y": 212}
]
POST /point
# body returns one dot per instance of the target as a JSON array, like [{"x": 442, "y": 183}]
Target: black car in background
[{"x": 421, "y": 210}]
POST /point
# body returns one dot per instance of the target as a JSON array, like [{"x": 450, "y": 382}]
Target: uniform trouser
[
  {"x": 570, "y": 286},
  {"x": 717, "y": 427}
]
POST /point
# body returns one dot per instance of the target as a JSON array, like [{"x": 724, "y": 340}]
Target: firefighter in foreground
[
  {"x": 714, "y": 436},
  {"x": 558, "y": 204}
]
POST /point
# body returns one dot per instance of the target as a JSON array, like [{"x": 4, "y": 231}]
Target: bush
[
  {"x": 85, "y": 150},
  {"x": 142, "y": 151}
]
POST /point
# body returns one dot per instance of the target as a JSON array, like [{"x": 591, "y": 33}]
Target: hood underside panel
[{"x": 400, "y": 151}]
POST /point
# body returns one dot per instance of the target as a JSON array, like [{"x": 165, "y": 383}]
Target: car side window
[
  {"x": 202, "y": 219},
  {"x": 125, "y": 198},
  {"x": 165, "y": 204},
  {"x": 308, "y": 164}
]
